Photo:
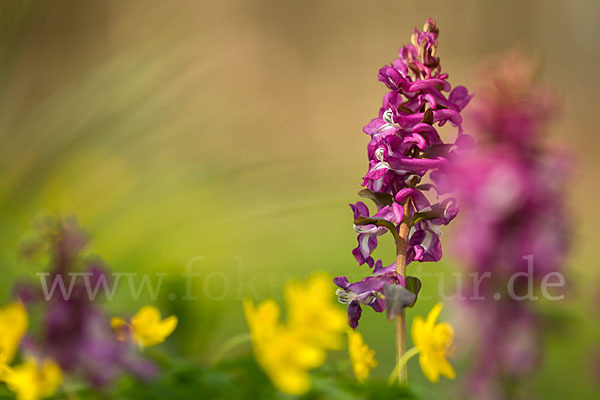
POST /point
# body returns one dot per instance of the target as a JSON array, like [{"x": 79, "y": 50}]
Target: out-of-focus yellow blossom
[
  {"x": 311, "y": 309},
  {"x": 13, "y": 325},
  {"x": 263, "y": 320},
  {"x": 433, "y": 342},
  {"x": 282, "y": 352},
  {"x": 147, "y": 327},
  {"x": 362, "y": 357},
  {"x": 288, "y": 351},
  {"x": 33, "y": 381}
]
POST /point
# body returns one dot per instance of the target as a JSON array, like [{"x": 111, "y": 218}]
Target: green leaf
[
  {"x": 364, "y": 221},
  {"x": 378, "y": 222},
  {"x": 380, "y": 199},
  {"x": 413, "y": 285},
  {"x": 427, "y": 215}
]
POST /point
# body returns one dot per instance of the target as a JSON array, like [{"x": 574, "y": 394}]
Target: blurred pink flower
[{"x": 512, "y": 190}]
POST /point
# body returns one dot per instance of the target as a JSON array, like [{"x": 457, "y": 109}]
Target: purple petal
[
  {"x": 419, "y": 199},
  {"x": 378, "y": 305},
  {"x": 354, "y": 313},
  {"x": 460, "y": 97},
  {"x": 425, "y": 246},
  {"x": 398, "y": 212},
  {"x": 341, "y": 281},
  {"x": 405, "y": 163},
  {"x": 359, "y": 209}
]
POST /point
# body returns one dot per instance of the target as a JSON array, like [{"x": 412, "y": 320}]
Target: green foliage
[
  {"x": 242, "y": 379},
  {"x": 5, "y": 394}
]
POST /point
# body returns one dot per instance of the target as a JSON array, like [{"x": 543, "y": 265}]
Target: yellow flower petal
[
  {"x": 167, "y": 326},
  {"x": 4, "y": 371},
  {"x": 117, "y": 323},
  {"x": 443, "y": 334},
  {"x": 433, "y": 342},
  {"x": 147, "y": 315},
  {"x": 308, "y": 356},
  {"x": 446, "y": 369},
  {"x": 315, "y": 324},
  {"x": 291, "y": 381},
  {"x": 33, "y": 381},
  {"x": 312, "y": 305},
  {"x": 434, "y": 314},
  {"x": 262, "y": 320},
  {"x": 418, "y": 331},
  {"x": 429, "y": 367},
  {"x": 362, "y": 357},
  {"x": 149, "y": 328},
  {"x": 13, "y": 325}
]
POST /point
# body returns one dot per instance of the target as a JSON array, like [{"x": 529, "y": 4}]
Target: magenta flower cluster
[
  {"x": 74, "y": 330},
  {"x": 404, "y": 146},
  {"x": 514, "y": 223}
]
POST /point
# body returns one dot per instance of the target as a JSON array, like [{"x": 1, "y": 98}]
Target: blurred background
[{"x": 226, "y": 136}]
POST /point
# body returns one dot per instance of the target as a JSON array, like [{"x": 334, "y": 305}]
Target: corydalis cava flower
[
  {"x": 75, "y": 332},
  {"x": 512, "y": 189},
  {"x": 511, "y": 184},
  {"x": 404, "y": 146}
]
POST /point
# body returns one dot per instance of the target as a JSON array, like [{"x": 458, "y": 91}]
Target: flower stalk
[{"x": 401, "y": 248}]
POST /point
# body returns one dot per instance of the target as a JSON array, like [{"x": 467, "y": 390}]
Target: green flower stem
[
  {"x": 230, "y": 344},
  {"x": 402, "y": 364},
  {"x": 401, "y": 248}
]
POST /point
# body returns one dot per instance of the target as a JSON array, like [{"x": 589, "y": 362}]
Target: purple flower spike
[
  {"x": 404, "y": 149},
  {"x": 513, "y": 187},
  {"x": 74, "y": 331}
]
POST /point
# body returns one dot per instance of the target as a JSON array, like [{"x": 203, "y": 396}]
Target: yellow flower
[
  {"x": 362, "y": 357},
  {"x": 147, "y": 327},
  {"x": 287, "y": 352},
  {"x": 283, "y": 353},
  {"x": 31, "y": 381},
  {"x": 263, "y": 320},
  {"x": 13, "y": 325},
  {"x": 433, "y": 341},
  {"x": 312, "y": 310}
]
